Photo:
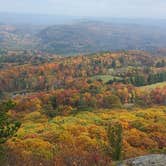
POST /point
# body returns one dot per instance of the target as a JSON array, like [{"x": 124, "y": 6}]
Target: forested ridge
[
  {"x": 84, "y": 110},
  {"x": 133, "y": 67}
]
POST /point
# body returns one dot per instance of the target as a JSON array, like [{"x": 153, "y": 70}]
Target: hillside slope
[{"x": 87, "y": 37}]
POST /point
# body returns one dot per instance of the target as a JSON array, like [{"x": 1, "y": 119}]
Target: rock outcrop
[{"x": 149, "y": 160}]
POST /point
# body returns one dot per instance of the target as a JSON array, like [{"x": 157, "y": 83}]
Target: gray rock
[{"x": 149, "y": 160}]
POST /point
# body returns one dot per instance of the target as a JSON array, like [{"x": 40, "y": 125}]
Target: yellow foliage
[{"x": 143, "y": 131}]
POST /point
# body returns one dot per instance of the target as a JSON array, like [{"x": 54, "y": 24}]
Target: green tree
[
  {"x": 8, "y": 127},
  {"x": 115, "y": 137},
  {"x": 53, "y": 101},
  {"x": 113, "y": 64},
  {"x": 112, "y": 101}
]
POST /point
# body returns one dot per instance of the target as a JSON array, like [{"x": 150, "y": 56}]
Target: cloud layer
[{"x": 98, "y": 8}]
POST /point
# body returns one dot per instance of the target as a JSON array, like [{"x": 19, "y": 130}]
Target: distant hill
[
  {"x": 89, "y": 36},
  {"x": 84, "y": 37},
  {"x": 18, "y": 36}
]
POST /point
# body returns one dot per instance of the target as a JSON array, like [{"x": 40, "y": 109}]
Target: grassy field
[
  {"x": 104, "y": 78},
  {"x": 161, "y": 84}
]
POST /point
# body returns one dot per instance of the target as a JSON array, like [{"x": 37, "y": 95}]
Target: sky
[{"x": 92, "y": 8}]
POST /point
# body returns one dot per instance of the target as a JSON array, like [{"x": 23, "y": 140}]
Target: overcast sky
[{"x": 97, "y": 8}]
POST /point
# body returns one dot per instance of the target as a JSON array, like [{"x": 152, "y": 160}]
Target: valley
[
  {"x": 82, "y": 92},
  {"x": 68, "y": 107}
]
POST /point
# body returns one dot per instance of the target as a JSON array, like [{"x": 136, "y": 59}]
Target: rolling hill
[
  {"x": 84, "y": 37},
  {"x": 90, "y": 36}
]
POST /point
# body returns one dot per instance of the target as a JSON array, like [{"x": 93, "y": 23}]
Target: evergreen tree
[
  {"x": 115, "y": 137},
  {"x": 111, "y": 101},
  {"x": 7, "y": 126},
  {"x": 113, "y": 64},
  {"x": 53, "y": 101}
]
